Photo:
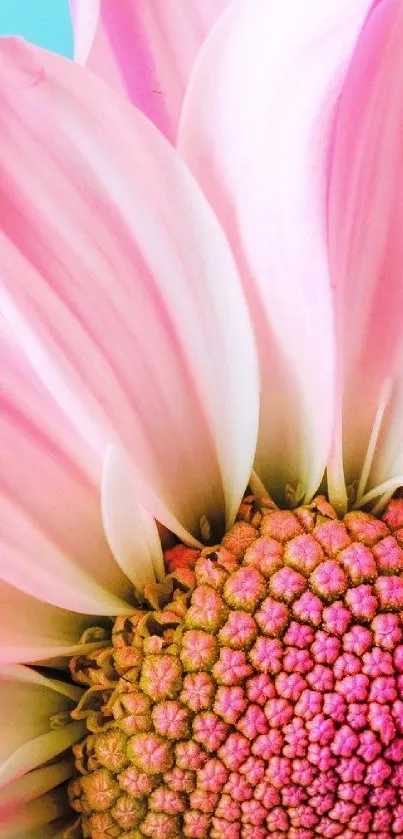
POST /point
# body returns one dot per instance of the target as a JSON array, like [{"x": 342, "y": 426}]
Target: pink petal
[
  {"x": 52, "y": 541},
  {"x": 366, "y": 246},
  {"x": 145, "y": 48},
  {"x": 254, "y": 131},
  {"x": 128, "y": 305}
]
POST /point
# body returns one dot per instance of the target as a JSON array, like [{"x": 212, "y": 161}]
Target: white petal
[
  {"x": 85, "y": 21},
  {"x": 28, "y": 700},
  {"x": 254, "y": 131},
  {"x": 35, "y": 783},
  {"x": 131, "y": 532},
  {"x": 40, "y": 749},
  {"x": 31, "y": 630}
]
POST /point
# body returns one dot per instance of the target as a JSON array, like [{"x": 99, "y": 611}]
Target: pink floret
[
  {"x": 244, "y": 589},
  {"x": 235, "y": 751},
  {"x": 290, "y": 685},
  {"x": 260, "y": 688},
  {"x": 303, "y": 553},
  {"x": 272, "y": 617},
  {"x": 346, "y": 665},
  {"x": 336, "y": 618},
  {"x": 239, "y": 631},
  {"x": 232, "y": 667},
  {"x": 387, "y": 632},
  {"x": 389, "y": 555},
  {"x": 266, "y": 655},
  {"x": 325, "y": 648},
  {"x": 299, "y": 635},
  {"x": 282, "y": 525},
  {"x": 308, "y": 608},
  {"x": 357, "y": 640},
  {"x": 213, "y": 776},
  {"x": 390, "y": 592},
  {"x": 209, "y": 730},
  {"x": 328, "y": 580},
  {"x": 230, "y": 702},
  {"x": 253, "y": 722},
  {"x": 287, "y": 584},
  {"x": 362, "y": 602},
  {"x": 358, "y": 562}
]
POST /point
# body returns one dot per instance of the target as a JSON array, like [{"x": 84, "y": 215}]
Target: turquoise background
[{"x": 44, "y": 22}]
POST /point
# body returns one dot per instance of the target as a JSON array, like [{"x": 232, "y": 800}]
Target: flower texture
[{"x": 201, "y": 384}]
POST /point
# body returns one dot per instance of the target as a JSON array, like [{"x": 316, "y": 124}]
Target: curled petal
[{"x": 132, "y": 313}]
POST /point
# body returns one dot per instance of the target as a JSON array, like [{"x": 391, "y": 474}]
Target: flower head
[
  {"x": 261, "y": 714},
  {"x": 183, "y": 318}
]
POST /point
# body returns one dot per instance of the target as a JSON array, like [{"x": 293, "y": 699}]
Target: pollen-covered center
[{"x": 258, "y": 693}]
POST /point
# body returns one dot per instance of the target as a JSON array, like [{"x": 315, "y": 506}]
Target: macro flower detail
[
  {"x": 201, "y": 390},
  {"x": 304, "y": 742}
]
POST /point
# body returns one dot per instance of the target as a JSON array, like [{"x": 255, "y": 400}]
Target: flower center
[{"x": 257, "y": 692}]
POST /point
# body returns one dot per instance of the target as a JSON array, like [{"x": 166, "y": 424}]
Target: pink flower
[{"x": 183, "y": 316}]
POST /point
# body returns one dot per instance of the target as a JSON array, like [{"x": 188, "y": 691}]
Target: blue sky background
[{"x": 44, "y": 22}]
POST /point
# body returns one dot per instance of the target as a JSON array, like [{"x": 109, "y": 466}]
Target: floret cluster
[{"x": 258, "y": 692}]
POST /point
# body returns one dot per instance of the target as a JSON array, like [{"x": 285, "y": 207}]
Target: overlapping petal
[
  {"x": 32, "y": 785},
  {"x": 28, "y": 702},
  {"x": 254, "y": 130},
  {"x": 145, "y": 49},
  {"x": 52, "y": 540},
  {"x": 43, "y": 817},
  {"x": 123, "y": 290},
  {"x": 132, "y": 533},
  {"x": 366, "y": 252}
]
